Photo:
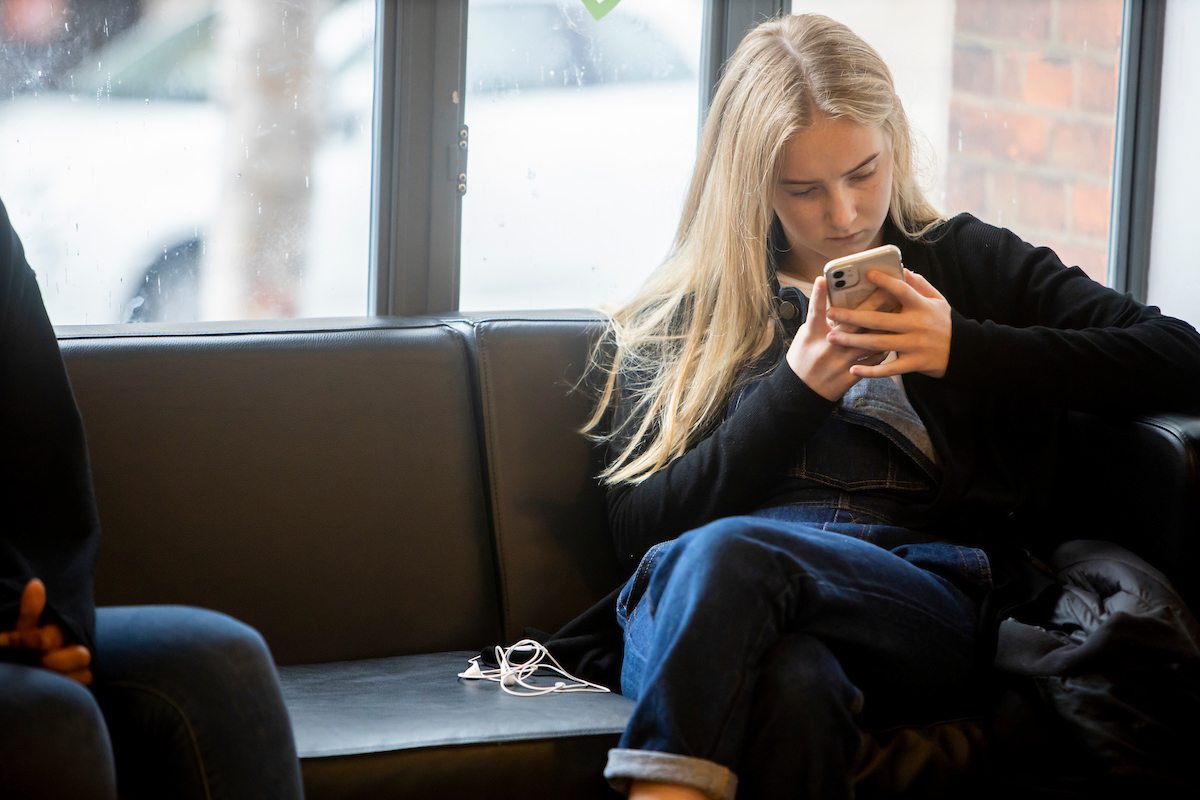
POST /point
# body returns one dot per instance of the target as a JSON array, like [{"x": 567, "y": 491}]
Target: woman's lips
[{"x": 844, "y": 239}]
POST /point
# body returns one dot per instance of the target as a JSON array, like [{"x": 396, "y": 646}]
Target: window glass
[
  {"x": 582, "y": 137},
  {"x": 1016, "y": 103},
  {"x": 175, "y": 160}
]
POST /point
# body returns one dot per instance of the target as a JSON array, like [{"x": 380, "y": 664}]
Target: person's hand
[
  {"x": 919, "y": 332},
  {"x": 72, "y": 660},
  {"x": 819, "y": 360}
]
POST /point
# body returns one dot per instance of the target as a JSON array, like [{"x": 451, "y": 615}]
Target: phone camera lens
[
  {"x": 838, "y": 274},
  {"x": 839, "y": 284}
]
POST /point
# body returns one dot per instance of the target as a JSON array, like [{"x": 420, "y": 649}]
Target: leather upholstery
[
  {"x": 1137, "y": 483},
  {"x": 325, "y": 487},
  {"x": 381, "y": 727},
  {"x": 547, "y": 510},
  {"x": 379, "y": 500}
]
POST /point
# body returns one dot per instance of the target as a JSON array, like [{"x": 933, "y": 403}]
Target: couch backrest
[
  {"x": 421, "y": 485},
  {"x": 548, "y": 514},
  {"x": 326, "y": 487}
]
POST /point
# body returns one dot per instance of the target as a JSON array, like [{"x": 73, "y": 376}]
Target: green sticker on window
[{"x": 598, "y": 8}]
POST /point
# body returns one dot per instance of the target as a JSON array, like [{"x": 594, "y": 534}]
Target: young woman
[{"x": 816, "y": 502}]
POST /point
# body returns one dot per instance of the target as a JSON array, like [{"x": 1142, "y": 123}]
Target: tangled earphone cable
[{"x": 515, "y": 677}]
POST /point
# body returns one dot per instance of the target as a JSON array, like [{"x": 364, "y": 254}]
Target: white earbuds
[{"x": 516, "y": 676}]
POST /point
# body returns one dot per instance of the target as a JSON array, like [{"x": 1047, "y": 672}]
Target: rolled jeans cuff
[{"x": 625, "y": 766}]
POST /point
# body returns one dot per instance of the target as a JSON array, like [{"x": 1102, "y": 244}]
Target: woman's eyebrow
[{"x": 851, "y": 171}]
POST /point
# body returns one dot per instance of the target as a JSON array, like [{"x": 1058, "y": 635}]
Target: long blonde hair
[{"x": 675, "y": 352}]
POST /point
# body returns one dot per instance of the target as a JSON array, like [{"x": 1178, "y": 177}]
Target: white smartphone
[{"x": 846, "y": 277}]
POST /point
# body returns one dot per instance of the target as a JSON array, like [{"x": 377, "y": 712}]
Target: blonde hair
[{"x": 674, "y": 353}]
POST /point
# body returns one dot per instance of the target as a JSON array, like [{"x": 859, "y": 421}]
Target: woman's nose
[{"x": 841, "y": 209}]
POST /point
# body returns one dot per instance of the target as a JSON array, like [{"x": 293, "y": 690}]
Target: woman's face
[{"x": 834, "y": 193}]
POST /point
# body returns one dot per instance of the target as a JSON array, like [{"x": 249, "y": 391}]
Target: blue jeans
[
  {"x": 761, "y": 646},
  {"x": 185, "y": 703}
]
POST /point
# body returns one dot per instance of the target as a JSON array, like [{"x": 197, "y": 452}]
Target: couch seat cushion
[{"x": 407, "y": 726}]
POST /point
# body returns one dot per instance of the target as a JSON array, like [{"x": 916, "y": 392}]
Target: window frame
[
  {"x": 418, "y": 161},
  {"x": 1135, "y": 160},
  {"x": 420, "y": 151}
]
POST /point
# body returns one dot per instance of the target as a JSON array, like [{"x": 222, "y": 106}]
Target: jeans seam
[
  {"x": 191, "y": 732},
  {"x": 803, "y": 473}
]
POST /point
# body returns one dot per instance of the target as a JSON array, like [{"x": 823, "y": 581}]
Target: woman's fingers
[
  {"x": 67, "y": 660},
  {"x": 83, "y": 676},
  {"x": 856, "y": 321},
  {"x": 818, "y": 303},
  {"x": 917, "y": 281},
  {"x": 45, "y": 638},
  {"x": 868, "y": 341},
  {"x": 33, "y": 603}
]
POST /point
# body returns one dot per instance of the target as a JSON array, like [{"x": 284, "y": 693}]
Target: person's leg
[
  {"x": 719, "y": 599},
  {"x": 53, "y": 742},
  {"x": 193, "y": 705},
  {"x": 802, "y": 696}
]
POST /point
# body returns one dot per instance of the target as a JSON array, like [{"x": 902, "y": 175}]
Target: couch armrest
[{"x": 1139, "y": 481}]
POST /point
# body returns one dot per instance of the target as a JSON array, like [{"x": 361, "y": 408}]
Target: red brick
[
  {"x": 974, "y": 70},
  {"x": 1025, "y": 20},
  {"x": 1049, "y": 82},
  {"x": 1091, "y": 257},
  {"x": 1042, "y": 202},
  {"x": 1091, "y": 209},
  {"x": 1006, "y": 135},
  {"x": 1002, "y": 197},
  {"x": 1091, "y": 24},
  {"x": 1012, "y": 75},
  {"x": 966, "y": 188},
  {"x": 1098, "y": 86},
  {"x": 1083, "y": 146}
]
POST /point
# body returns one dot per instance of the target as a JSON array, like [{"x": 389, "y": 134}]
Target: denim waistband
[{"x": 966, "y": 567}]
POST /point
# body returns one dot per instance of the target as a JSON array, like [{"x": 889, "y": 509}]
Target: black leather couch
[{"x": 383, "y": 498}]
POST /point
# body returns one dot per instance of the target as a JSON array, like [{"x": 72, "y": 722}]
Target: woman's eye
[
  {"x": 862, "y": 176},
  {"x": 805, "y": 193}
]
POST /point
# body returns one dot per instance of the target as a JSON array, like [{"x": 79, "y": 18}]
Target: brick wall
[{"x": 1032, "y": 114}]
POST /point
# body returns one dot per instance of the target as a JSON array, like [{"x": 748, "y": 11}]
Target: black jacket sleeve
[
  {"x": 724, "y": 474},
  {"x": 49, "y": 527},
  {"x": 1029, "y": 328}
]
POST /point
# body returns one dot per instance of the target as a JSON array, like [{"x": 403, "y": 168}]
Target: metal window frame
[
  {"x": 420, "y": 65},
  {"x": 725, "y": 23},
  {"x": 416, "y": 203},
  {"x": 1135, "y": 156}
]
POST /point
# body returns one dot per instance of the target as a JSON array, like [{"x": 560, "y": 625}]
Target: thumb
[
  {"x": 818, "y": 304},
  {"x": 33, "y": 602}
]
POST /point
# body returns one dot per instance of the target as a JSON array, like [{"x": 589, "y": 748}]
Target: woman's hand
[
  {"x": 919, "y": 332},
  {"x": 821, "y": 361},
  {"x": 71, "y": 660}
]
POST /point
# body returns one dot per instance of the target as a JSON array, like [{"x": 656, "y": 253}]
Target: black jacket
[
  {"x": 1031, "y": 339},
  {"x": 1114, "y": 667},
  {"x": 48, "y": 523}
]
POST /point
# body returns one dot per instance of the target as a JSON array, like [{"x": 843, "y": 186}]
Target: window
[
  {"x": 1017, "y": 102},
  {"x": 186, "y": 160},
  {"x": 162, "y": 161},
  {"x": 582, "y": 137}
]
